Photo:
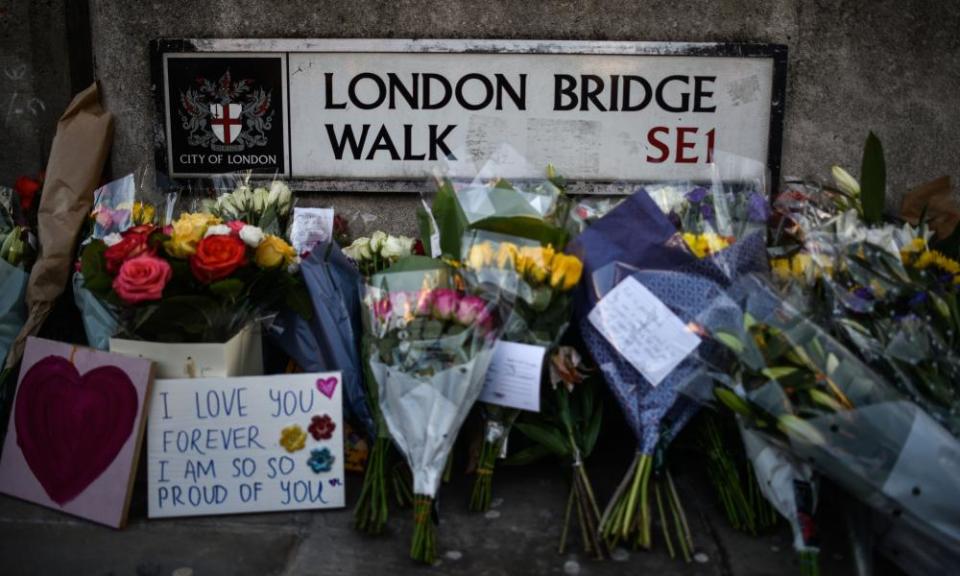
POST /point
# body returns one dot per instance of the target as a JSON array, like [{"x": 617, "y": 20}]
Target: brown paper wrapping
[
  {"x": 943, "y": 213},
  {"x": 79, "y": 151}
]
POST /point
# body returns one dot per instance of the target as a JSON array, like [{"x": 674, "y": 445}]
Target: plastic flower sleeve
[
  {"x": 810, "y": 394},
  {"x": 13, "y": 312}
]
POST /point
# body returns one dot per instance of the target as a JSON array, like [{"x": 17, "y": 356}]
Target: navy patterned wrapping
[{"x": 695, "y": 290}]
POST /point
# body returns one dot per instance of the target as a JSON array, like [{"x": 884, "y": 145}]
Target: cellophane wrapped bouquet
[
  {"x": 201, "y": 278},
  {"x": 804, "y": 391},
  {"x": 509, "y": 237},
  {"x": 18, "y": 217},
  {"x": 430, "y": 344}
]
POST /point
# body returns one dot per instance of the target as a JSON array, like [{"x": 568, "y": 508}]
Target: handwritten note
[
  {"x": 310, "y": 227},
  {"x": 250, "y": 444},
  {"x": 513, "y": 379},
  {"x": 643, "y": 330}
]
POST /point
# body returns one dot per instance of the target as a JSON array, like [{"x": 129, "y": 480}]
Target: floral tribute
[{"x": 200, "y": 279}]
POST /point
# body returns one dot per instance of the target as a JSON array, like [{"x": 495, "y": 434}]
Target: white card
[
  {"x": 513, "y": 379},
  {"x": 310, "y": 227},
  {"x": 643, "y": 330}
]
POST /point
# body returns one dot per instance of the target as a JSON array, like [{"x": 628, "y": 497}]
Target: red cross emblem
[{"x": 226, "y": 122}]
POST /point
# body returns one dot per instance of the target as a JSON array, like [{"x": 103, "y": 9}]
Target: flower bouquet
[
  {"x": 806, "y": 392},
  {"x": 265, "y": 208},
  {"x": 17, "y": 220},
  {"x": 198, "y": 280},
  {"x": 508, "y": 237},
  {"x": 536, "y": 280},
  {"x": 568, "y": 428},
  {"x": 635, "y": 237},
  {"x": 430, "y": 346},
  {"x": 371, "y": 255}
]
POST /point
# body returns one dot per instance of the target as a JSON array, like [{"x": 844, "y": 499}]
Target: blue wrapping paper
[
  {"x": 13, "y": 312},
  {"x": 330, "y": 340},
  {"x": 99, "y": 323}
]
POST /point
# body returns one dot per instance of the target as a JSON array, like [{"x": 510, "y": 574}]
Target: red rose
[
  {"x": 26, "y": 189},
  {"x": 142, "y": 279},
  {"x": 130, "y": 246},
  {"x": 217, "y": 257}
]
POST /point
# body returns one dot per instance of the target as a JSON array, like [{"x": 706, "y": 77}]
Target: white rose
[
  {"x": 111, "y": 239},
  {"x": 359, "y": 250},
  {"x": 217, "y": 230},
  {"x": 377, "y": 240},
  {"x": 396, "y": 247},
  {"x": 252, "y": 236}
]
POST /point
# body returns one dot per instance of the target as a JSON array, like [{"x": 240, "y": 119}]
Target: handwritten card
[
  {"x": 513, "y": 379},
  {"x": 248, "y": 444},
  {"x": 310, "y": 227},
  {"x": 645, "y": 332}
]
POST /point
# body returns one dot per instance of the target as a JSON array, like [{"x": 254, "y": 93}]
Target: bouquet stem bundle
[
  {"x": 371, "y": 513},
  {"x": 588, "y": 513},
  {"x": 423, "y": 548},
  {"x": 629, "y": 516},
  {"x": 483, "y": 485},
  {"x": 745, "y": 507}
]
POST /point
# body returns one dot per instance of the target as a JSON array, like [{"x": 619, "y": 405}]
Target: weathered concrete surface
[
  {"x": 34, "y": 83},
  {"x": 519, "y": 536},
  {"x": 890, "y": 66}
]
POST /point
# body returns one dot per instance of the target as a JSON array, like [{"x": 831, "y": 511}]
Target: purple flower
[
  {"x": 706, "y": 210},
  {"x": 697, "y": 195},
  {"x": 758, "y": 209},
  {"x": 918, "y": 299},
  {"x": 863, "y": 293}
]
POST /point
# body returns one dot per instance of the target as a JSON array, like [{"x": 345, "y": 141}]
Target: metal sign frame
[{"x": 777, "y": 53}]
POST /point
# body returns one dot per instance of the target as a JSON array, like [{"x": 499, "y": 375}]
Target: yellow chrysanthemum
[
  {"x": 935, "y": 259},
  {"x": 507, "y": 256}
]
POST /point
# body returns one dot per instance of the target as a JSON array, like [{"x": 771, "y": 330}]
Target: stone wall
[
  {"x": 890, "y": 66},
  {"x": 34, "y": 82}
]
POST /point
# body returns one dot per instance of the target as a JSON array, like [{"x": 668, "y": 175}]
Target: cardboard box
[{"x": 242, "y": 355}]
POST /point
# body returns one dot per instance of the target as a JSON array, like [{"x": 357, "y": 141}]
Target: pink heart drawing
[
  {"x": 326, "y": 386},
  {"x": 70, "y": 428}
]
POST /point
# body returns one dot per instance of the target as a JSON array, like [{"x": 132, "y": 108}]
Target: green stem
[
  {"x": 566, "y": 522},
  {"x": 663, "y": 521}
]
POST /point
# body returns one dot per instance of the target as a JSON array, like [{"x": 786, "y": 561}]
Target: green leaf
[
  {"x": 425, "y": 227},
  {"x": 730, "y": 399},
  {"x": 730, "y": 341},
  {"x": 873, "y": 180},
  {"x": 229, "y": 288},
  {"x": 593, "y": 430},
  {"x": 527, "y": 455},
  {"x": 268, "y": 221},
  {"x": 778, "y": 372},
  {"x": 93, "y": 267},
  {"x": 549, "y": 438},
  {"x": 451, "y": 221}
]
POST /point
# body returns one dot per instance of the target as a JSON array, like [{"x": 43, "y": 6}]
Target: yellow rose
[
  {"x": 187, "y": 232},
  {"x": 534, "y": 262},
  {"x": 507, "y": 255},
  {"x": 480, "y": 255},
  {"x": 566, "y": 271},
  {"x": 273, "y": 252}
]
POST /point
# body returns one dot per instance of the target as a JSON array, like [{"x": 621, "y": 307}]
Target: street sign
[{"x": 382, "y": 114}]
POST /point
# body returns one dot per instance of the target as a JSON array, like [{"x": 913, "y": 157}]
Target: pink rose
[
  {"x": 470, "y": 309},
  {"x": 424, "y": 302},
  {"x": 382, "y": 309},
  {"x": 235, "y": 226},
  {"x": 142, "y": 279},
  {"x": 444, "y": 303}
]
